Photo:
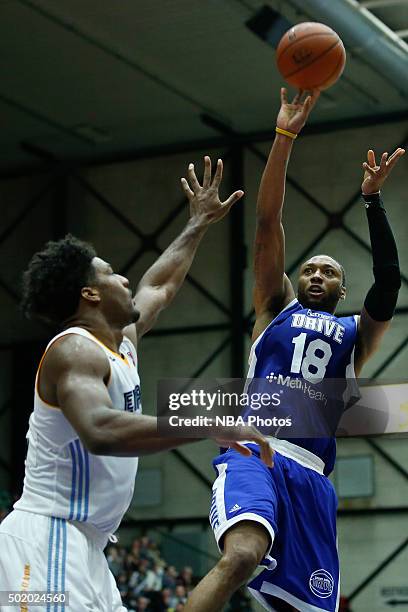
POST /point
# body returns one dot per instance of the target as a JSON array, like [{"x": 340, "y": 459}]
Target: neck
[{"x": 98, "y": 327}]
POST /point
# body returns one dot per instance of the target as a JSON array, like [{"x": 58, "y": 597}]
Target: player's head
[
  {"x": 67, "y": 279},
  {"x": 322, "y": 283}
]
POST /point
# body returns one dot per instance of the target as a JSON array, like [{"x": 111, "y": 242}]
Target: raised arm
[
  {"x": 161, "y": 282},
  {"x": 73, "y": 377},
  {"x": 382, "y": 298},
  {"x": 273, "y": 290}
]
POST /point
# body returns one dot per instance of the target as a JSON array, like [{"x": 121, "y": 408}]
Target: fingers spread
[
  {"x": 284, "y": 95},
  {"x": 371, "y": 158},
  {"x": 307, "y": 104},
  {"x": 241, "y": 448},
  {"x": 383, "y": 162},
  {"x": 186, "y": 189},
  {"x": 369, "y": 169},
  {"x": 218, "y": 174},
  {"x": 237, "y": 195},
  {"x": 193, "y": 179},
  {"x": 392, "y": 160},
  {"x": 266, "y": 452},
  {"x": 207, "y": 172}
]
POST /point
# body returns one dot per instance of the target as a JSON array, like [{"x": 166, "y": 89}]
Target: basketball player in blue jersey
[
  {"x": 285, "y": 518},
  {"x": 86, "y": 430}
]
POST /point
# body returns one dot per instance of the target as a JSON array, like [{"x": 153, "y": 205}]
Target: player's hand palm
[
  {"x": 293, "y": 116},
  {"x": 375, "y": 176},
  {"x": 205, "y": 204}
]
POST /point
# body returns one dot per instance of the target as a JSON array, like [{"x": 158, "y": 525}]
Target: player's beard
[{"x": 327, "y": 303}]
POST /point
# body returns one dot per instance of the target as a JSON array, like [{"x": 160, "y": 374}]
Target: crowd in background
[{"x": 148, "y": 584}]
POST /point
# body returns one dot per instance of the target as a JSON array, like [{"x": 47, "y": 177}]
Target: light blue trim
[
  {"x": 73, "y": 483},
  {"x": 56, "y": 561},
  {"x": 80, "y": 479},
  {"x": 86, "y": 454},
  {"x": 64, "y": 558},
  {"x": 49, "y": 569}
]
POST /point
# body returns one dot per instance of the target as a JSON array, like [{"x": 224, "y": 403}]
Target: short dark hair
[{"x": 52, "y": 283}]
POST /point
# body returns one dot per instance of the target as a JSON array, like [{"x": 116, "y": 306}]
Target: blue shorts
[{"x": 297, "y": 506}]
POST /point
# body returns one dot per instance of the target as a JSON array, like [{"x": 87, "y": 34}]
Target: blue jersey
[{"x": 313, "y": 350}]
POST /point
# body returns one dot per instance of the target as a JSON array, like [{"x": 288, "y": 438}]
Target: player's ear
[
  {"x": 342, "y": 292},
  {"x": 90, "y": 294}
]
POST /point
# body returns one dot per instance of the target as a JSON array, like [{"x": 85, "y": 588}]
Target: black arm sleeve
[{"x": 382, "y": 297}]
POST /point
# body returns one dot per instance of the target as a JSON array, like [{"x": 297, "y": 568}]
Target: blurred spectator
[
  {"x": 122, "y": 582},
  {"x": 186, "y": 577},
  {"x": 170, "y": 577},
  {"x": 131, "y": 563},
  {"x": 179, "y": 596},
  {"x": 164, "y": 601},
  {"x": 154, "y": 578},
  {"x": 115, "y": 562},
  {"x": 147, "y": 584},
  {"x": 143, "y": 604}
]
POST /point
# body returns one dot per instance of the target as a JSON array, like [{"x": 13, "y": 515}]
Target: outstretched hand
[
  {"x": 235, "y": 435},
  {"x": 205, "y": 204},
  {"x": 293, "y": 116},
  {"x": 375, "y": 176}
]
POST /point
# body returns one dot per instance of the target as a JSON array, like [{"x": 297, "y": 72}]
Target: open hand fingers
[
  {"x": 393, "y": 159},
  {"x": 234, "y": 197},
  {"x": 371, "y": 158},
  {"x": 284, "y": 95},
  {"x": 218, "y": 174},
  {"x": 369, "y": 169},
  {"x": 193, "y": 179},
  {"x": 266, "y": 452},
  {"x": 207, "y": 172},
  {"x": 314, "y": 96},
  {"x": 241, "y": 448},
  {"x": 297, "y": 98},
  {"x": 186, "y": 189},
  {"x": 307, "y": 105},
  {"x": 383, "y": 162}
]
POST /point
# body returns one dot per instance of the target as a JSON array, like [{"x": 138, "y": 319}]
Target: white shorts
[{"x": 42, "y": 553}]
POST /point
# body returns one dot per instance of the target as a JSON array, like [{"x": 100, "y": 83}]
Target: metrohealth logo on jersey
[{"x": 321, "y": 583}]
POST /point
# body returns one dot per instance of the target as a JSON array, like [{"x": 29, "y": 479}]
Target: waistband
[
  {"x": 297, "y": 453},
  {"x": 100, "y": 538}
]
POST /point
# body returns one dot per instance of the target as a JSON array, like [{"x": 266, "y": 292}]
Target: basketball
[{"x": 311, "y": 56}]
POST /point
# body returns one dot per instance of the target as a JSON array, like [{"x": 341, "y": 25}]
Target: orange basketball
[{"x": 311, "y": 56}]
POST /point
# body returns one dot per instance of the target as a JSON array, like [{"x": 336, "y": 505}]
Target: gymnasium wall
[{"x": 145, "y": 192}]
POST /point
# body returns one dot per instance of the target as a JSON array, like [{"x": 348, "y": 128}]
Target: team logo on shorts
[{"x": 321, "y": 583}]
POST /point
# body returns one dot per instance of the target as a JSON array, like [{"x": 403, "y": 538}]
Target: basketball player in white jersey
[{"x": 86, "y": 430}]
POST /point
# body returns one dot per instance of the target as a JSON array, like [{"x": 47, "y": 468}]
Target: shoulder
[
  {"x": 269, "y": 320},
  {"x": 75, "y": 353}
]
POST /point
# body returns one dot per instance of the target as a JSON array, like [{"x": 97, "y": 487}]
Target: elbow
[{"x": 387, "y": 278}]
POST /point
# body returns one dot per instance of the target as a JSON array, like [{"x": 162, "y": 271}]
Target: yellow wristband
[{"x": 291, "y": 135}]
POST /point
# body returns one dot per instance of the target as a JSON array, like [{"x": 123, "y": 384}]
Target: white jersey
[{"x": 62, "y": 479}]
